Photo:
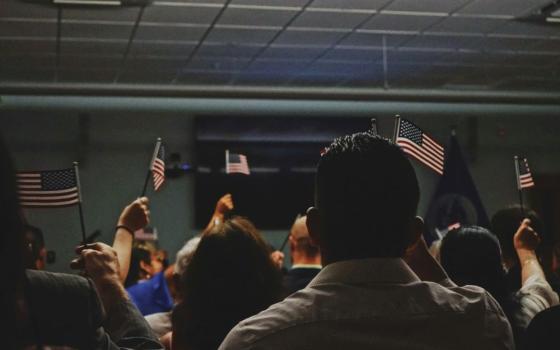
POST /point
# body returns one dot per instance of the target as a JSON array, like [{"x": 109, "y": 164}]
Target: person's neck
[{"x": 306, "y": 260}]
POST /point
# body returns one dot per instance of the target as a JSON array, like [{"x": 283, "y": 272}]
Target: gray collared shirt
[{"x": 376, "y": 304}]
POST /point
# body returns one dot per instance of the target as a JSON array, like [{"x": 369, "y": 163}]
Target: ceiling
[{"x": 450, "y": 45}]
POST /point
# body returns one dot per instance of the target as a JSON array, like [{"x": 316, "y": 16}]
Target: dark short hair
[
  {"x": 229, "y": 278},
  {"x": 367, "y": 194}
]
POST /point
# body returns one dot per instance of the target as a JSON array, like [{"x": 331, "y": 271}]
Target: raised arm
[
  {"x": 525, "y": 242},
  {"x": 223, "y": 207},
  {"x": 134, "y": 216}
]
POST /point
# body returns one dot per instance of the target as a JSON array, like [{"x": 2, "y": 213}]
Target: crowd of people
[{"x": 362, "y": 276}]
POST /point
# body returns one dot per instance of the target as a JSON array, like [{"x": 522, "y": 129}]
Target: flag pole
[
  {"x": 517, "y": 174},
  {"x": 150, "y": 168},
  {"x": 227, "y": 160},
  {"x": 82, "y": 224},
  {"x": 373, "y": 128},
  {"x": 397, "y": 124}
]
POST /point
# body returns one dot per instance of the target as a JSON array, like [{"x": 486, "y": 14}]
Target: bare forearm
[
  {"x": 530, "y": 265},
  {"x": 123, "y": 245}
]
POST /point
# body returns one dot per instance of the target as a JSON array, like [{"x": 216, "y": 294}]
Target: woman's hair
[
  {"x": 135, "y": 272},
  {"x": 11, "y": 245},
  {"x": 230, "y": 277},
  {"x": 472, "y": 255}
]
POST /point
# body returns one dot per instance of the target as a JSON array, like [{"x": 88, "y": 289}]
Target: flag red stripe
[
  {"x": 35, "y": 204},
  {"x": 48, "y": 198},
  {"x": 413, "y": 152},
  {"x": 437, "y": 161},
  {"x": 22, "y": 191}
]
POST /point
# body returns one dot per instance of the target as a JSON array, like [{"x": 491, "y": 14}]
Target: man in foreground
[{"x": 367, "y": 296}]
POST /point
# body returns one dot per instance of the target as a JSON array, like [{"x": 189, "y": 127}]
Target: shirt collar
[
  {"x": 307, "y": 266},
  {"x": 374, "y": 270}
]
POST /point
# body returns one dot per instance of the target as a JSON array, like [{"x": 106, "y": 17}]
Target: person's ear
[
  {"x": 313, "y": 223},
  {"x": 416, "y": 229}
]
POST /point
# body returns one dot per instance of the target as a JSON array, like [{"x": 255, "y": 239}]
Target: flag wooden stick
[
  {"x": 150, "y": 168},
  {"x": 227, "y": 160},
  {"x": 82, "y": 223},
  {"x": 519, "y": 190},
  {"x": 373, "y": 127},
  {"x": 397, "y": 123}
]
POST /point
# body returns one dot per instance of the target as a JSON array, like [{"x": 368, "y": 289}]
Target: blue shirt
[{"x": 151, "y": 296}]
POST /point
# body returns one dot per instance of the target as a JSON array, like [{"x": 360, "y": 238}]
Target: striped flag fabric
[
  {"x": 419, "y": 145},
  {"x": 48, "y": 188},
  {"x": 524, "y": 177},
  {"x": 158, "y": 167},
  {"x": 236, "y": 163}
]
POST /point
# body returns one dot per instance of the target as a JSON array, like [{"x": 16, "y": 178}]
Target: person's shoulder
[
  {"x": 292, "y": 311},
  {"x": 56, "y": 284}
]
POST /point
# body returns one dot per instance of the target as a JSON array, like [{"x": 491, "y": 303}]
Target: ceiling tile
[
  {"x": 354, "y": 54},
  {"x": 445, "y": 6},
  {"x": 501, "y": 43},
  {"x": 216, "y": 63},
  {"x": 256, "y": 17},
  {"x": 526, "y": 29},
  {"x": 278, "y": 67},
  {"x": 443, "y": 42},
  {"x": 401, "y": 22},
  {"x": 298, "y": 53},
  {"x": 147, "y": 76},
  {"x": 28, "y": 46},
  {"x": 329, "y": 19},
  {"x": 175, "y": 14},
  {"x": 308, "y": 37},
  {"x": 147, "y": 32},
  {"x": 90, "y": 61},
  {"x": 85, "y": 47},
  {"x": 351, "y": 4},
  {"x": 74, "y": 30},
  {"x": 204, "y": 78},
  {"x": 240, "y": 36},
  {"x": 467, "y": 25},
  {"x": 374, "y": 40},
  {"x": 153, "y": 63},
  {"x": 31, "y": 29},
  {"x": 29, "y": 61},
  {"x": 87, "y": 75},
  {"x": 270, "y": 2},
  {"x": 26, "y": 75},
  {"x": 229, "y": 50},
  {"x": 140, "y": 47},
  {"x": 125, "y": 14},
  {"x": 502, "y": 7},
  {"x": 20, "y": 9},
  {"x": 411, "y": 56}
]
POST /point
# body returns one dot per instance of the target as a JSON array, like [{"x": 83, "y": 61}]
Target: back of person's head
[
  {"x": 11, "y": 248},
  {"x": 472, "y": 255},
  {"x": 367, "y": 195},
  {"x": 505, "y": 223},
  {"x": 35, "y": 244},
  {"x": 140, "y": 258},
  {"x": 229, "y": 278},
  {"x": 185, "y": 254},
  {"x": 299, "y": 236}
]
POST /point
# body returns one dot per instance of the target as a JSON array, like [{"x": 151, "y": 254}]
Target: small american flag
[
  {"x": 158, "y": 166},
  {"x": 236, "y": 163},
  {"x": 48, "y": 188},
  {"x": 419, "y": 145},
  {"x": 524, "y": 177}
]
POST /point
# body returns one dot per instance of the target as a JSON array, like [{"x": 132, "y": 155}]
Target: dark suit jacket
[
  {"x": 298, "y": 278},
  {"x": 65, "y": 311}
]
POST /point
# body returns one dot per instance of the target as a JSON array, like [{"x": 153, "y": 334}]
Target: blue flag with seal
[{"x": 456, "y": 201}]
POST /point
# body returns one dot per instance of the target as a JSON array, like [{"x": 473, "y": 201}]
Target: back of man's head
[
  {"x": 367, "y": 195},
  {"x": 300, "y": 240}
]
